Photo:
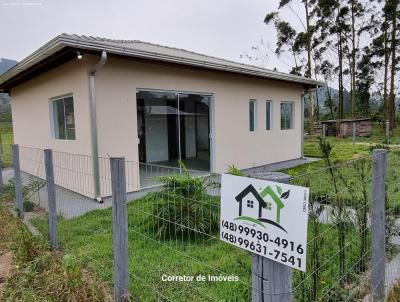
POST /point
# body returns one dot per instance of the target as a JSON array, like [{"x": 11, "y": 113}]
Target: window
[
  {"x": 252, "y": 113},
  {"x": 63, "y": 118},
  {"x": 250, "y": 204},
  {"x": 287, "y": 118},
  {"x": 268, "y": 115}
]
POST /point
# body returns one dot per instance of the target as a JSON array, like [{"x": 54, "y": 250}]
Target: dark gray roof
[{"x": 139, "y": 49}]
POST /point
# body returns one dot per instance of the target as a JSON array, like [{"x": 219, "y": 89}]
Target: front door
[{"x": 173, "y": 127}]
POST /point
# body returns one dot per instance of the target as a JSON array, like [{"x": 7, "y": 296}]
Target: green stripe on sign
[{"x": 250, "y": 219}]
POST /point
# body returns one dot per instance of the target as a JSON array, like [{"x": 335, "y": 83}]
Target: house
[
  {"x": 263, "y": 207},
  {"x": 250, "y": 202},
  {"x": 272, "y": 201},
  {"x": 154, "y": 105}
]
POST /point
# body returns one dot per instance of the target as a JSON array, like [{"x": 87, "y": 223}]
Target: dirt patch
[{"x": 6, "y": 264}]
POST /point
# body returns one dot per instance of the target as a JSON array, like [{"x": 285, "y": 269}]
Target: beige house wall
[
  {"x": 32, "y": 126},
  {"x": 118, "y": 81},
  {"x": 116, "y": 86},
  {"x": 30, "y": 105}
]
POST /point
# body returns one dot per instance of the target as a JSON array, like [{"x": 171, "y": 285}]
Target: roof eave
[
  {"x": 179, "y": 60},
  {"x": 62, "y": 41}
]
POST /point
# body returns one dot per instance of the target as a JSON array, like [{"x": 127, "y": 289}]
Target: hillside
[
  {"x": 5, "y": 107},
  {"x": 6, "y": 64}
]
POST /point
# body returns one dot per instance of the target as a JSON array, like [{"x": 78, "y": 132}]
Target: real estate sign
[{"x": 266, "y": 218}]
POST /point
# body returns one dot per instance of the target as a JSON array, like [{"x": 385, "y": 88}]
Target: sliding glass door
[{"x": 173, "y": 127}]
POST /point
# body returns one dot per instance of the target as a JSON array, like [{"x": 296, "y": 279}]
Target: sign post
[{"x": 268, "y": 219}]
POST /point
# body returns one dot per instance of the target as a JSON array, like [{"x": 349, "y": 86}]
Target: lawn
[
  {"x": 347, "y": 157},
  {"x": 89, "y": 238}
]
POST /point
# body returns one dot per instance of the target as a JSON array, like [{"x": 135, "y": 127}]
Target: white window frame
[
  {"x": 271, "y": 106},
  {"x": 52, "y": 117},
  {"x": 253, "y": 101},
  {"x": 292, "y": 117}
]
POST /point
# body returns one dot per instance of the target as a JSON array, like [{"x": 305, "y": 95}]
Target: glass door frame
[{"x": 211, "y": 114}]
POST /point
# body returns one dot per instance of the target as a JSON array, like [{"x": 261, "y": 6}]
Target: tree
[
  {"x": 384, "y": 27},
  {"x": 326, "y": 69},
  {"x": 286, "y": 40},
  {"x": 298, "y": 43},
  {"x": 392, "y": 11},
  {"x": 357, "y": 11},
  {"x": 365, "y": 79}
]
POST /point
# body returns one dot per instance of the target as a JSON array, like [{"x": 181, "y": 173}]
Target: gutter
[
  {"x": 64, "y": 40},
  {"x": 93, "y": 123},
  {"x": 254, "y": 71}
]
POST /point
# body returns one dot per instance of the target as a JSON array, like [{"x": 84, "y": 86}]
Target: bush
[
  {"x": 8, "y": 192},
  {"x": 28, "y": 206},
  {"x": 183, "y": 206},
  {"x": 394, "y": 294},
  {"x": 33, "y": 186},
  {"x": 72, "y": 270},
  {"x": 380, "y": 146},
  {"x": 235, "y": 171}
]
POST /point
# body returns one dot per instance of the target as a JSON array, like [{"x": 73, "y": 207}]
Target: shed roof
[
  {"x": 347, "y": 120},
  {"x": 138, "y": 49}
]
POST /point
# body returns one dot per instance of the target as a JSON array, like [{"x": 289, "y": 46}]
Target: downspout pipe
[
  {"x": 93, "y": 124},
  {"x": 302, "y": 121}
]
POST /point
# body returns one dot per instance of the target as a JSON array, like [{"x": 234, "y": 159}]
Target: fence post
[
  {"x": 120, "y": 229},
  {"x": 387, "y": 131},
  {"x": 354, "y": 133},
  {"x": 271, "y": 281},
  {"x": 51, "y": 193},
  {"x": 379, "y": 166},
  {"x": 323, "y": 130},
  {"x": 18, "y": 183}
]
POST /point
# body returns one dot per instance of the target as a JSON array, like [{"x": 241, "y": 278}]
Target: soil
[{"x": 6, "y": 264}]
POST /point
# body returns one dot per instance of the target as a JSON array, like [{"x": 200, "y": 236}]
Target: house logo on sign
[{"x": 266, "y": 205}]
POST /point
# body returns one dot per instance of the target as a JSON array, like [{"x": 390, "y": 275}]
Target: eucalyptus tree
[
  {"x": 364, "y": 82},
  {"x": 357, "y": 12},
  {"x": 326, "y": 69},
  {"x": 332, "y": 25},
  {"x": 299, "y": 44},
  {"x": 384, "y": 29},
  {"x": 392, "y": 11}
]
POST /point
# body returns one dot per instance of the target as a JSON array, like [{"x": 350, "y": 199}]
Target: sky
[{"x": 222, "y": 28}]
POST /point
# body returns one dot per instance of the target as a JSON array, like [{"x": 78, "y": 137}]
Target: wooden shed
[{"x": 344, "y": 128}]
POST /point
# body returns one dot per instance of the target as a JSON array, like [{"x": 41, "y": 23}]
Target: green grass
[
  {"x": 346, "y": 156},
  {"x": 6, "y": 140},
  {"x": 36, "y": 273},
  {"x": 343, "y": 151},
  {"x": 89, "y": 238}
]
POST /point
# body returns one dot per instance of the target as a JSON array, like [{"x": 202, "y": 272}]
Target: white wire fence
[{"x": 172, "y": 226}]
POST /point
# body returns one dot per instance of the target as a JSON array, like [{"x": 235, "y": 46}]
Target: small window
[
  {"x": 252, "y": 113},
  {"x": 63, "y": 118},
  {"x": 287, "y": 115},
  {"x": 250, "y": 204},
  {"x": 268, "y": 115}
]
